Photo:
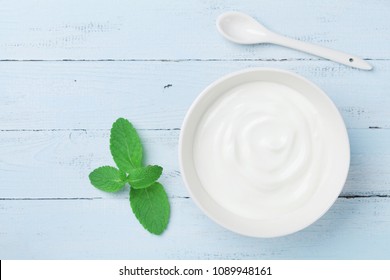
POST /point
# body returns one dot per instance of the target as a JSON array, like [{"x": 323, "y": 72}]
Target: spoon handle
[{"x": 337, "y": 56}]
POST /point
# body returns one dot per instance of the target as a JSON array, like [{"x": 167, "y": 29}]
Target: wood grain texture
[
  {"x": 91, "y": 95},
  {"x": 130, "y": 29},
  {"x": 69, "y": 68},
  {"x": 106, "y": 229}
]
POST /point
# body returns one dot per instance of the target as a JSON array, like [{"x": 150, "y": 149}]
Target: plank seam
[
  {"x": 365, "y": 196},
  {"x": 179, "y": 197},
  {"x": 81, "y": 129},
  {"x": 142, "y": 129},
  {"x": 50, "y": 198},
  {"x": 179, "y": 60}
]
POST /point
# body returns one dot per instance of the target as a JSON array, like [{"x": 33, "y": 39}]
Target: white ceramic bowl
[{"x": 319, "y": 202}]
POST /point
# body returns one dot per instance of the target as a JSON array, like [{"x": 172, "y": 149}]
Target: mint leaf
[
  {"x": 151, "y": 207},
  {"x": 143, "y": 177},
  {"x": 125, "y": 145},
  {"x": 108, "y": 179}
]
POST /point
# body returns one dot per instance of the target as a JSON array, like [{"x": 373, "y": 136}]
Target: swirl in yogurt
[{"x": 259, "y": 150}]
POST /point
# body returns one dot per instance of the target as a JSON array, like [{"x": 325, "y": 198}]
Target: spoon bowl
[{"x": 242, "y": 29}]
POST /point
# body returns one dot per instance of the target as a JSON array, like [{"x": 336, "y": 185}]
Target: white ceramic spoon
[{"x": 243, "y": 29}]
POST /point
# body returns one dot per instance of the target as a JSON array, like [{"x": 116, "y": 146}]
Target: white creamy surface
[{"x": 259, "y": 150}]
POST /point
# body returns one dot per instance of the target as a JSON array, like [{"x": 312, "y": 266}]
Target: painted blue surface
[{"x": 69, "y": 68}]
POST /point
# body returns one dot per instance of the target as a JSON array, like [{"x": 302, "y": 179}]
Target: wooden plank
[
  {"x": 91, "y": 95},
  {"x": 123, "y": 29},
  {"x": 106, "y": 229},
  {"x": 56, "y": 164}
]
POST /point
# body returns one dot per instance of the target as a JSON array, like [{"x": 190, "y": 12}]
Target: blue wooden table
[{"x": 70, "y": 68}]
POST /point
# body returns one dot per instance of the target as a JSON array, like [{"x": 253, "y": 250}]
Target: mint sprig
[{"x": 148, "y": 199}]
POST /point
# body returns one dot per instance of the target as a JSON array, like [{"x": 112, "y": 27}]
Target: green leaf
[
  {"x": 143, "y": 177},
  {"x": 125, "y": 145},
  {"x": 108, "y": 179},
  {"x": 151, "y": 207}
]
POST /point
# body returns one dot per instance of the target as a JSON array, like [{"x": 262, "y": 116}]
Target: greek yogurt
[{"x": 259, "y": 150}]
